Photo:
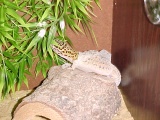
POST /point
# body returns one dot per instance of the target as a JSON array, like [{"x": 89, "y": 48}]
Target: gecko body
[{"x": 95, "y": 61}]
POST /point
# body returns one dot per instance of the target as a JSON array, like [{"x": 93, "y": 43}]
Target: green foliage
[{"x": 33, "y": 25}]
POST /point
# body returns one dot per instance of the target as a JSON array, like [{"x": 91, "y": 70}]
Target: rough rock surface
[{"x": 75, "y": 95}]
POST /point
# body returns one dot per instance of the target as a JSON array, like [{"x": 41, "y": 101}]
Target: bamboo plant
[{"x": 28, "y": 28}]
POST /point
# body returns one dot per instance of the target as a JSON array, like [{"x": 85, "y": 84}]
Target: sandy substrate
[{"x": 9, "y": 103}]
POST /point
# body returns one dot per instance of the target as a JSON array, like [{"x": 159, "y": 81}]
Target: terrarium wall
[
  {"x": 136, "y": 52},
  {"x": 102, "y": 27}
]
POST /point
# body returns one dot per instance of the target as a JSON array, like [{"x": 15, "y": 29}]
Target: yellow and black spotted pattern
[{"x": 64, "y": 50}]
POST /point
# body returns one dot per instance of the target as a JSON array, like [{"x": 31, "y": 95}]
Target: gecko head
[{"x": 63, "y": 49}]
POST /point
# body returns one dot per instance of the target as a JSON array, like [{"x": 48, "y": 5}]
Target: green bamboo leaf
[
  {"x": 7, "y": 35},
  {"x": 56, "y": 9},
  {"x": 72, "y": 24},
  {"x": 33, "y": 17},
  {"x": 5, "y": 88},
  {"x": 30, "y": 60},
  {"x": 68, "y": 41},
  {"x": 68, "y": 2},
  {"x": 25, "y": 81},
  {"x": 86, "y": 1},
  {"x": 2, "y": 39},
  {"x": 40, "y": 55},
  {"x": 2, "y": 80},
  {"x": 14, "y": 6},
  {"x": 56, "y": 59},
  {"x": 25, "y": 43},
  {"x": 65, "y": 6},
  {"x": 32, "y": 2},
  {"x": 12, "y": 13},
  {"x": 8, "y": 54},
  {"x": 52, "y": 32},
  {"x": 28, "y": 72},
  {"x": 81, "y": 8},
  {"x": 21, "y": 73},
  {"x": 45, "y": 14},
  {"x": 38, "y": 68},
  {"x": 18, "y": 57},
  {"x": 16, "y": 33},
  {"x": 39, "y": 46},
  {"x": 46, "y": 1},
  {"x": 60, "y": 60},
  {"x": 11, "y": 5},
  {"x": 44, "y": 73},
  {"x": 98, "y": 3},
  {"x": 0, "y": 57},
  {"x": 34, "y": 42},
  {"x": 50, "y": 52},
  {"x": 19, "y": 35},
  {"x": 23, "y": 4},
  {"x": 44, "y": 69},
  {"x": 14, "y": 45},
  {"x": 28, "y": 25},
  {"x": 13, "y": 88},
  {"x": 49, "y": 60},
  {"x": 44, "y": 47},
  {"x": 2, "y": 14},
  {"x": 10, "y": 66},
  {"x": 11, "y": 78},
  {"x": 5, "y": 28},
  {"x": 74, "y": 8},
  {"x": 19, "y": 85},
  {"x": 22, "y": 69}
]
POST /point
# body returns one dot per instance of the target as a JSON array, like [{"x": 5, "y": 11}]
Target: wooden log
[
  {"x": 38, "y": 111},
  {"x": 68, "y": 94}
]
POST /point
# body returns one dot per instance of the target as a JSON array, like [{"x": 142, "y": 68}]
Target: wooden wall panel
[
  {"x": 102, "y": 26},
  {"x": 135, "y": 49}
]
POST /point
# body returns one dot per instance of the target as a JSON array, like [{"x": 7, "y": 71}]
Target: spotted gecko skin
[
  {"x": 64, "y": 50},
  {"x": 89, "y": 61}
]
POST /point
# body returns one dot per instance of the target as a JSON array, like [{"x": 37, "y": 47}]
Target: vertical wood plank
[{"x": 135, "y": 47}]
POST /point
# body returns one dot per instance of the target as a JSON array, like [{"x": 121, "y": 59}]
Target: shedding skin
[{"x": 95, "y": 61}]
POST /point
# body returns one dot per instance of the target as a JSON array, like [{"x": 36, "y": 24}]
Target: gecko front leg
[{"x": 66, "y": 65}]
